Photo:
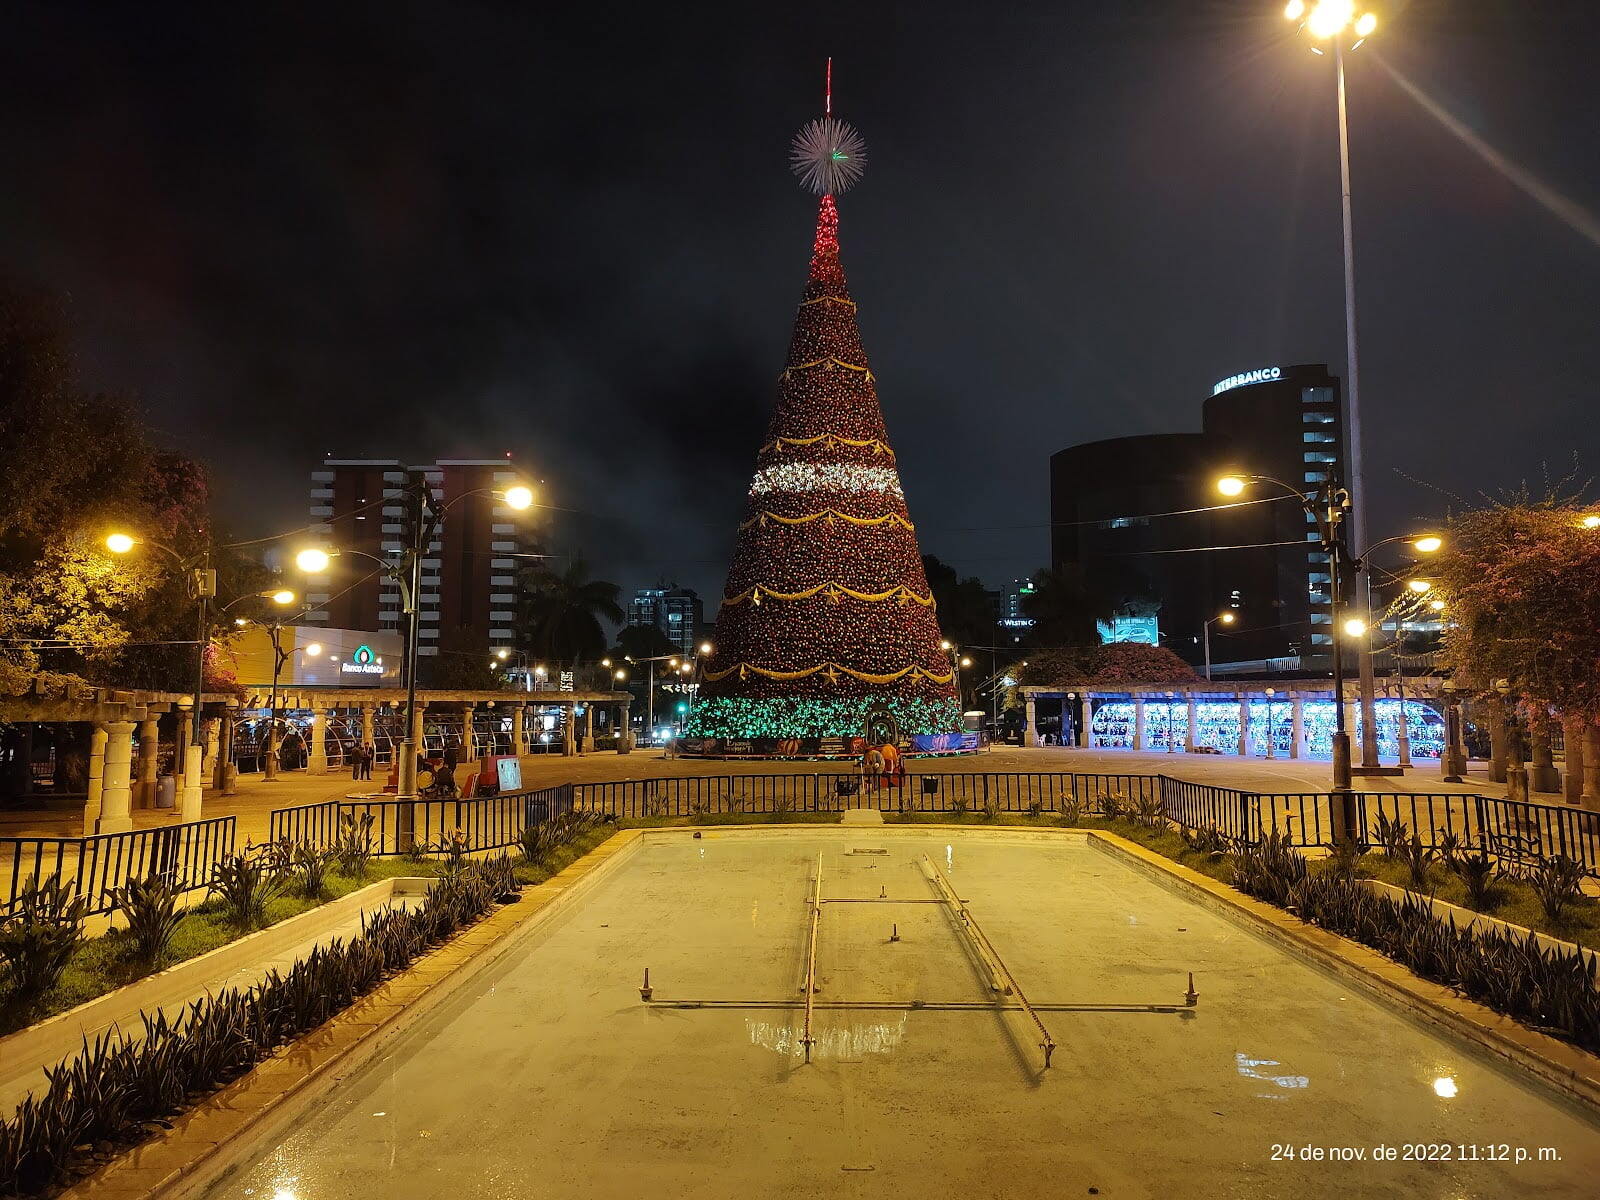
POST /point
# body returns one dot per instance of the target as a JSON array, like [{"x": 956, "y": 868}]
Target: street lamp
[
  {"x": 201, "y": 584},
  {"x": 1226, "y": 618},
  {"x": 424, "y": 516}
]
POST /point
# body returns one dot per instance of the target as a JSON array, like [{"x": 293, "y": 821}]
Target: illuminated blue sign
[{"x": 1259, "y": 375}]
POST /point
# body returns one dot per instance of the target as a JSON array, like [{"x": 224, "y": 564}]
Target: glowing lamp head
[
  {"x": 313, "y": 649},
  {"x": 1330, "y": 18},
  {"x": 1436, "y": 605},
  {"x": 502, "y": 654},
  {"x": 705, "y": 647},
  {"x": 1355, "y": 627},
  {"x": 1230, "y": 485},
  {"x": 283, "y": 596},
  {"x": 240, "y": 622},
  {"x": 1227, "y": 618},
  {"x": 1429, "y": 543},
  {"x": 312, "y": 560},
  {"x": 1365, "y": 24},
  {"x": 120, "y": 543},
  {"x": 965, "y": 661},
  {"x": 519, "y": 497},
  {"x": 540, "y": 672},
  {"x": 1419, "y": 586},
  {"x": 619, "y": 675},
  {"x": 1294, "y": 10},
  {"x": 1592, "y": 521},
  {"x": 946, "y": 646}
]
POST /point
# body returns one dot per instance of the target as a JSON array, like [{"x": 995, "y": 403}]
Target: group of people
[{"x": 361, "y": 759}]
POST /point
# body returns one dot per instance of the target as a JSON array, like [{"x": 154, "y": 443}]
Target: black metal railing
[
  {"x": 1519, "y": 832},
  {"x": 99, "y": 864}
]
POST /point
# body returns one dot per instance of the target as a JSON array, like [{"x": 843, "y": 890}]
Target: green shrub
[
  {"x": 38, "y": 935},
  {"x": 150, "y": 907},
  {"x": 1113, "y": 805},
  {"x": 1477, "y": 872}
]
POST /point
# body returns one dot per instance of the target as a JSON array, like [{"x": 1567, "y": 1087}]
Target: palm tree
[{"x": 561, "y": 613}]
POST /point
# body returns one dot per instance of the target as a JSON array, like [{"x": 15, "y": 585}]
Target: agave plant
[
  {"x": 352, "y": 845},
  {"x": 1477, "y": 873},
  {"x": 311, "y": 863},
  {"x": 1112, "y": 805},
  {"x": 1390, "y": 834},
  {"x": 1150, "y": 810},
  {"x": 244, "y": 886},
  {"x": 150, "y": 907},
  {"x": 38, "y": 935},
  {"x": 1416, "y": 855},
  {"x": 1557, "y": 881}
]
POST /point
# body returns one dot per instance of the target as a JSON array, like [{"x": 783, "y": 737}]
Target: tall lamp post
[
  {"x": 1226, "y": 618},
  {"x": 201, "y": 583},
  {"x": 425, "y": 516},
  {"x": 1336, "y": 23}
]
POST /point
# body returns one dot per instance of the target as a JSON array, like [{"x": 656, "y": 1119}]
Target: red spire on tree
[{"x": 826, "y": 612}]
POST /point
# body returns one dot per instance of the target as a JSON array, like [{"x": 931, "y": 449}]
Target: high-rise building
[
  {"x": 1011, "y": 618},
  {"x": 468, "y": 597},
  {"x": 1141, "y": 513},
  {"x": 677, "y": 612}
]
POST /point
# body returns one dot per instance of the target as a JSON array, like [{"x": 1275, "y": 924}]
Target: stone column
[
  {"x": 1591, "y": 767},
  {"x": 1189, "y": 729},
  {"x": 226, "y": 775},
  {"x": 366, "y": 725},
  {"x": 1138, "y": 723},
  {"x": 1030, "y": 731},
  {"x": 468, "y": 751},
  {"x": 180, "y": 756},
  {"x": 1352, "y": 719},
  {"x": 1497, "y": 740},
  {"x": 317, "y": 758},
  {"x": 569, "y": 741},
  {"x": 116, "y": 794},
  {"x": 190, "y": 798},
  {"x": 149, "y": 748},
  {"x": 211, "y": 733},
  {"x": 417, "y": 715},
  {"x": 1572, "y": 781},
  {"x": 97, "y": 773},
  {"x": 519, "y": 735},
  {"x": 1542, "y": 776},
  {"x": 1297, "y": 725},
  {"x": 1244, "y": 725},
  {"x": 624, "y": 731},
  {"x": 588, "y": 725}
]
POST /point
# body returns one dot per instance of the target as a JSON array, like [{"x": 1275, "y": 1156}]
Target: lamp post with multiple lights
[
  {"x": 1327, "y": 507},
  {"x": 424, "y": 517}
]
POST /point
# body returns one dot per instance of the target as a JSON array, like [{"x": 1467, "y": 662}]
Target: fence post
[{"x": 1244, "y": 816}]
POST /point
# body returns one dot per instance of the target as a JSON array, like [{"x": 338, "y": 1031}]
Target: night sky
[{"x": 569, "y": 232}]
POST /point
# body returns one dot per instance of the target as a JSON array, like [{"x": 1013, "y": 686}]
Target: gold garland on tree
[
  {"x": 831, "y": 670},
  {"x": 827, "y": 516},
  {"x": 829, "y": 441},
  {"x": 833, "y": 590},
  {"x": 830, "y": 362}
]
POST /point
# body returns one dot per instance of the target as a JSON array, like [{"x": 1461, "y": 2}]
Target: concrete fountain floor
[{"x": 549, "y": 1077}]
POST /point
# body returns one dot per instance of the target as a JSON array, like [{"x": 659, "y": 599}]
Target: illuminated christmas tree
[{"x": 827, "y": 614}]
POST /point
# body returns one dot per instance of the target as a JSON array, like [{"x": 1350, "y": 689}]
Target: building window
[
  {"x": 1317, "y": 456},
  {"x": 1318, "y": 418},
  {"x": 1316, "y": 477},
  {"x": 1316, "y": 436}
]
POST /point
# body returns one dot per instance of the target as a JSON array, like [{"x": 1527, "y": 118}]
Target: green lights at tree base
[{"x": 815, "y": 717}]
